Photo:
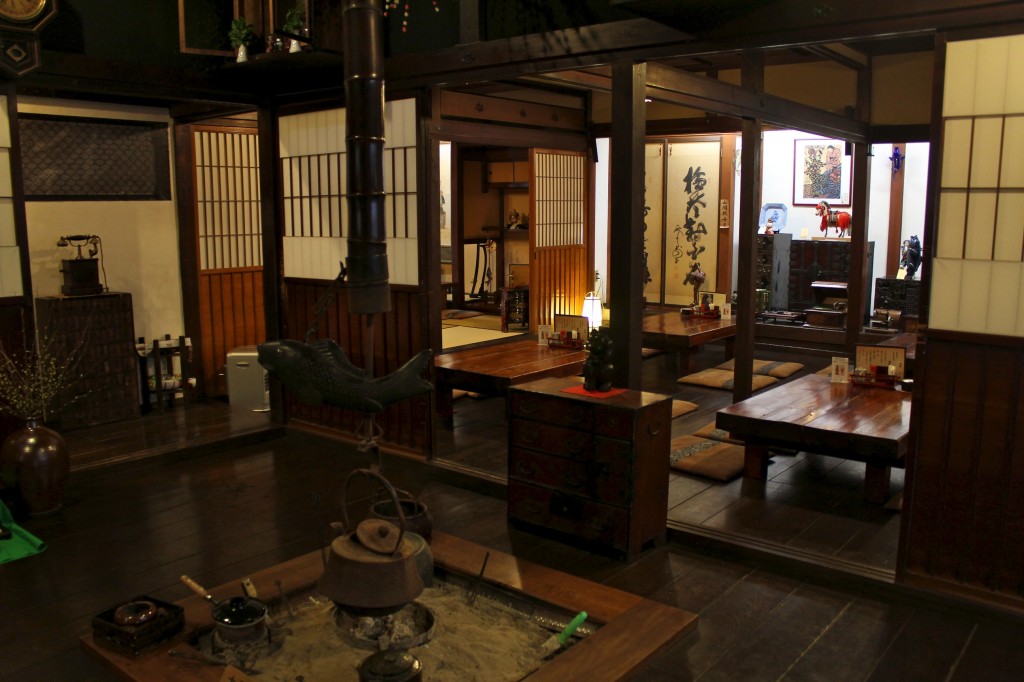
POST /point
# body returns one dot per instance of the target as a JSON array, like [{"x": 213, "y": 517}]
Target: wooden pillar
[
  {"x": 752, "y": 76},
  {"x": 895, "y": 238},
  {"x": 626, "y": 228},
  {"x": 728, "y": 175},
  {"x": 469, "y": 22},
  {"x": 856, "y": 305},
  {"x": 272, "y": 244},
  {"x": 857, "y": 284}
]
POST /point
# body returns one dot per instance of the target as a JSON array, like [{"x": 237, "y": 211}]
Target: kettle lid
[{"x": 380, "y": 536}]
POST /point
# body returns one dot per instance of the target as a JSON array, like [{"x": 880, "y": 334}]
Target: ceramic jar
[{"x": 35, "y": 462}]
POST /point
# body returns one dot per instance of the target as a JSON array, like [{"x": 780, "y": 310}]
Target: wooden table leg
[
  {"x": 755, "y": 461},
  {"x": 444, "y": 401},
  {"x": 730, "y": 348},
  {"x": 876, "y": 483}
]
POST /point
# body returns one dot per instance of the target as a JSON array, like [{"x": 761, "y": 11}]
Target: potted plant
[
  {"x": 34, "y": 460},
  {"x": 294, "y": 25},
  {"x": 240, "y": 35}
]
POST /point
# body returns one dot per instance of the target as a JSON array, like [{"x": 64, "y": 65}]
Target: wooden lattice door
[
  {"x": 229, "y": 246},
  {"x": 560, "y": 236}
]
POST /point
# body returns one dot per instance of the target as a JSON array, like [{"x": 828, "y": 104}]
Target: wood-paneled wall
[
  {"x": 230, "y": 315},
  {"x": 14, "y": 316},
  {"x": 396, "y": 338},
  {"x": 963, "y": 512}
]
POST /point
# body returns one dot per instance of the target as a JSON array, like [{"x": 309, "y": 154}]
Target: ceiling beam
[{"x": 674, "y": 86}]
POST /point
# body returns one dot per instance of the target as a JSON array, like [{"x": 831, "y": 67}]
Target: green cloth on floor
[{"x": 21, "y": 543}]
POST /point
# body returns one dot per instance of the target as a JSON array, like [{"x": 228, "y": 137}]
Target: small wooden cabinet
[
  {"x": 592, "y": 468},
  {"x": 101, "y": 329},
  {"x": 508, "y": 173}
]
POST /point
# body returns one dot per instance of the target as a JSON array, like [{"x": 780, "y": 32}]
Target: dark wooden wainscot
[
  {"x": 592, "y": 468},
  {"x": 101, "y": 330}
]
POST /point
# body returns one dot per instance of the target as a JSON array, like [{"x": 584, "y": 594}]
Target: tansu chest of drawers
[{"x": 592, "y": 468}]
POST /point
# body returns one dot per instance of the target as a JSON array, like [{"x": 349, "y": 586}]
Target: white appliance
[{"x": 248, "y": 382}]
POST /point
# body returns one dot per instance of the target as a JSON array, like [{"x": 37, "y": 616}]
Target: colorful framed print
[{"x": 821, "y": 172}]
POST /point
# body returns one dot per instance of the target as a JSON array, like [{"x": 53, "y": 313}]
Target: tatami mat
[{"x": 455, "y": 336}]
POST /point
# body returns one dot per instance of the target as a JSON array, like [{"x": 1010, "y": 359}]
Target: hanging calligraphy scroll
[
  {"x": 654, "y": 223},
  {"x": 691, "y": 216}
]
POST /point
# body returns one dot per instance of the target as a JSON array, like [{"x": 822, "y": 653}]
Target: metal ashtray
[
  {"x": 135, "y": 612},
  {"x": 139, "y": 623}
]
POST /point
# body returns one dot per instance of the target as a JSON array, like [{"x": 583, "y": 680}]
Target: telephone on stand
[{"x": 81, "y": 274}]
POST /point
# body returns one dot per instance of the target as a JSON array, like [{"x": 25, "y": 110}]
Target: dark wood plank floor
[
  {"x": 133, "y": 528},
  {"x": 811, "y": 508}
]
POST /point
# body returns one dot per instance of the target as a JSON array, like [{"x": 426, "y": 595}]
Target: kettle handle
[{"x": 394, "y": 498}]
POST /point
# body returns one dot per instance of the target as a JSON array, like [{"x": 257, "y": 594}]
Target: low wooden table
[
  {"x": 492, "y": 369},
  {"x": 633, "y": 630},
  {"x": 870, "y": 425},
  {"x": 684, "y": 334}
]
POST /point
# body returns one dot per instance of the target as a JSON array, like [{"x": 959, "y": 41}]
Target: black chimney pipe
[{"x": 367, "y": 263}]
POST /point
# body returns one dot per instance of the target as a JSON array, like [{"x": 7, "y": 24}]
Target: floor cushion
[
  {"x": 720, "y": 378},
  {"x": 681, "y": 407},
  {"x": 709, "y": 458},
  {"x": 779, "y": 370},
  {"x": 712, "y": 432}
]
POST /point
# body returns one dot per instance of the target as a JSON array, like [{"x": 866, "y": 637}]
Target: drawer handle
[
  {"x": 598, "y": 526},
  {"x": 525, "y": 469},
  {"x": 575, "y": 447},
  {"x": 529, "y": 437},
  {"x": 528, "y": 406},
  {"x": 533, "y": 507},
  {"x": 654, "y": 429},
  {"x": 576, "y": 417},
  {"x": 574, "y": 481}
]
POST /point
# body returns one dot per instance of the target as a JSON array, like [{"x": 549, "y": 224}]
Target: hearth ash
[
  {"x": 501, "y": 637},
  {"x": 409, "y": 627}
]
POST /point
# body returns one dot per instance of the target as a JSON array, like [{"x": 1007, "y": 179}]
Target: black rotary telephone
[{"x": 81, "y": 240}]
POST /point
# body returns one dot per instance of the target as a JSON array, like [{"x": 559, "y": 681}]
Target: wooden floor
[
  {"x": 133, "y": 528},
  {"x": 811, "y": 509}
]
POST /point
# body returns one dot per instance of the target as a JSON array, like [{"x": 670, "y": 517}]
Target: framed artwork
[{"x": 821, "y": 172}]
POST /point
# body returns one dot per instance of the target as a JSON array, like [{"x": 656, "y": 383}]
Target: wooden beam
[
  {"x": 626, "y": 226},
  {"x": 504, "y": 110},
  {"x": 675, "y": 86},
  {"x": 680, "y": 87},
  {"x": 505, "y": 136}
]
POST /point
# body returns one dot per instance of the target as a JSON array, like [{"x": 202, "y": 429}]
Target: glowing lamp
[{"x": 592, "y": 310}]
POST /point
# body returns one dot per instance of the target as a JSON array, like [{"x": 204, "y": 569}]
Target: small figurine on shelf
[
  {"x": 597, "y": 369},
  {"x": 910, "y": 256},
  {"x": 695, "y": 277}
]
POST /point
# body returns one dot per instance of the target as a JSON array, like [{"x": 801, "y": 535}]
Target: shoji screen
[
  {"x": 978, "y": 276},
  {"x": 312, "y": 148}
]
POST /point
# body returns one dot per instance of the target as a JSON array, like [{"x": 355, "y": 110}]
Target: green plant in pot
[
  {"x": 240, "y": 35},
  {"x": 34, "y": 460},
  {"x": 294, "y": 24}
]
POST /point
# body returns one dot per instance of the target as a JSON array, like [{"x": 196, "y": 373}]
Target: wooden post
[
  {"x": 750, "y": 206},
  {"x": 626, "y": 226}
]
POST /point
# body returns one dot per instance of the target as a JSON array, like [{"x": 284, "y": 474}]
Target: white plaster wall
[{"x": 139, "y": 238}]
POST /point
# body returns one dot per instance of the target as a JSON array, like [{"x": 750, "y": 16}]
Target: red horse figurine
[{"x": 837, "y": 219}]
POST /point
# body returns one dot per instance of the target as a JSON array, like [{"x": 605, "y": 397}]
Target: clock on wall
[
  {"x": 20, "y": 22},
  {"x": 22, "y": 11}
]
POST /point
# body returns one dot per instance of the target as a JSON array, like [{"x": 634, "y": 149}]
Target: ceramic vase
[
  {"x": 34, "y": 461},
  {"x": 242, "y": 54}
]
